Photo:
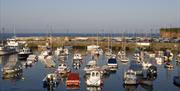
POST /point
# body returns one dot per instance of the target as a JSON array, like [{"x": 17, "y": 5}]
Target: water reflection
[
  {"x": 93, "y": 88},
  {"x": 130, "y": 87},
  {"x": 13, "y": 76}
]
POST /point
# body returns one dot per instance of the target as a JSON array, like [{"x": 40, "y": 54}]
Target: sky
[{"x": 88, "y": 16}]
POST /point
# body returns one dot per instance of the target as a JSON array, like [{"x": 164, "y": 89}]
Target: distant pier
[{"x": 83, "y": 42}]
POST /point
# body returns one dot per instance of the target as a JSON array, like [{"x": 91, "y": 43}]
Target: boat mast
[
  {"x": 2, "y": 32},
  {"x": 14, "y": 31},
  {"x": 97, "y": 39}
]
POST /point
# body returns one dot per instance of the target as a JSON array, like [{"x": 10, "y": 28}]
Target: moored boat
[
  {"x": 24, "y": 53},
  {"x": 112, "y": 63},
  {"x": 73, "y": 81},
  {"x": 51, "y": 80},
  {"x": 94, "y": 79},
  {"x": 130, "y": 78},
  {"x": 77, "y": 56},
  {"x": 63, "y": 69}
]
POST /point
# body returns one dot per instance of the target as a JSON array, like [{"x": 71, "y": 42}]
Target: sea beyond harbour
[{"x": 8, "y": 35}]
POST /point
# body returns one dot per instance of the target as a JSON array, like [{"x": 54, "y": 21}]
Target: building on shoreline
[{"x": 170, "y": 32}]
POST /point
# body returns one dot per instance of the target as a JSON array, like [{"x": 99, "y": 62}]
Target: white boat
[
  {"x": 32, "y": 57},
  {"x": 152, "y": 55},
  {"x": 50, "y": 80},
  {"x": 12, "y": 43},
  {"x": 146, "y": 65},
  {"x": 94, "y": 79},
  {"x": 91, "y": 65},
  {"x": 77, "y": 56},
  {"x": 136, "y": 57},
  {"x": 108, "y": 53},
  {"x": 24, "y": 53},
  {"x": 58, "y": 51},
  {"x": 92, "y": 47},
  {"x": 169, "y": 65},
  {"x": 122, "y": 56},
  {"x": 49, "y": 61},
  {"x": 63, "y": 68},
  {"x": 130, "y": 78},
  {"x": 159, "y": 60},
  {"x": 66, "y": 51},
  {"x": 28, "y": 63},
  {"x": 98, "y": 51},
  {"x": 61, "y": 51},
  {"x": 168, "y": 55},
  {"x": 124, "y": 59},
  {"x": 44, "y": 54}
]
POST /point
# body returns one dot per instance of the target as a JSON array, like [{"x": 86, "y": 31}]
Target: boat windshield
[{"x": 113, "y": 61}]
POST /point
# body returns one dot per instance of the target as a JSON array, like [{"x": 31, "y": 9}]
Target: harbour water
[{"x": 31, "y": 77}]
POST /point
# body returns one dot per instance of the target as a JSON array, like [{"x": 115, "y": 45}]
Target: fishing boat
[
  {"x": 94, "y": 79},
  {"x": 63, "y": 69},
  {"x": 77, "y": 56},
  {"x": 51, "y": 80},
  {"x": 24, "y": 53},
  {"x": 73, "y": 81},
  {"x": 130, "y": 77}
]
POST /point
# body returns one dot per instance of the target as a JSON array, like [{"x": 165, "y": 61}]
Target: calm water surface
[{"x": 31, "y": 78}]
